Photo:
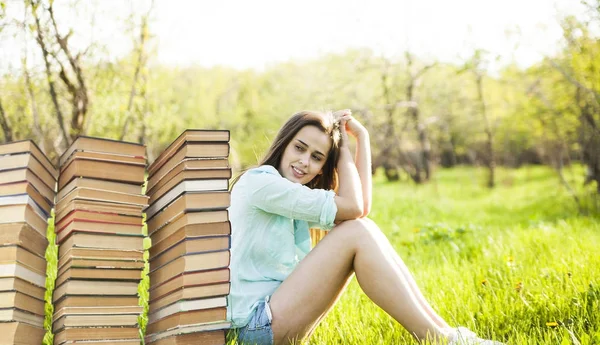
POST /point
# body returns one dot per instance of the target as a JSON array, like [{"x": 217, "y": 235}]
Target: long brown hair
[{"x": 325, "y": 122}]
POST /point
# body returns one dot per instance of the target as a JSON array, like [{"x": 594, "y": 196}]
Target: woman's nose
[{"x": 304, "y": 160}]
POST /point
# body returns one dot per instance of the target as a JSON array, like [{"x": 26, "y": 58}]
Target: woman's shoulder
[
  {"x": 254, "y": 180},
  {"x": 269, "y": 169},
  {"x": 256, "y": 174}
]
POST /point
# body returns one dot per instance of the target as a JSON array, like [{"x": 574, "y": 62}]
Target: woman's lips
[{"x": 296, "y": 173}]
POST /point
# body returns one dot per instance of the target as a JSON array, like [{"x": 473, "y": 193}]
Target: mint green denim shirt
[{"x": 270, "y": 217}]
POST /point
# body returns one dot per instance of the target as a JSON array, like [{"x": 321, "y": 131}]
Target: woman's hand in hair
[
  {"x": 337, "y": 115},
  {"x": 343, "y": 133},
  {"x": 348, "y": 124},
  {"x": 353, "y": 126}
]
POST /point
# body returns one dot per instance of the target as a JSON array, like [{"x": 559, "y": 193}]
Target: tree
[
  {"x": 139, "y": 73},
  {"x": 6, "y": 129},
  {"x": 8, "y": 137},
  {"x": 57, "y": 54},
  {"x": 476, "y": 65},
  {"x": 424, "y": 162},
  {"x": 579, "y": 67}
]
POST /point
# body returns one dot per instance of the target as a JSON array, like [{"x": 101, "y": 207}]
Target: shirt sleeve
[{"x": 270, "y": 192}]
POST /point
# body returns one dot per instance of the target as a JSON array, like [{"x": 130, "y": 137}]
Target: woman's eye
[
  {"x": 299, "y": 148},
  {"x": 317, "y": 158}
]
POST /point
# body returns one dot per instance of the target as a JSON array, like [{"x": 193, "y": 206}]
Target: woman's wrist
[
  {"x": 364, "y": 135},
  {"x": 345, "y": 149},
  {"x": 345, "y": 154}
]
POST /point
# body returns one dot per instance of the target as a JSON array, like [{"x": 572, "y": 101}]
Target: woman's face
[{"x": 305, "y": 155}]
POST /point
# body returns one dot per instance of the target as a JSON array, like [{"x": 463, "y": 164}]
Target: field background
[
  {"x": 484, "y": 122},
  {"x": 519, "y": 263}
]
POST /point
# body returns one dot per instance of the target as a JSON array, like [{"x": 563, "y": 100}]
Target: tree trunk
[
  {"x": 78, "y": 91},
  {"x": 424, "y": 160},
  {"x": 136, "y": 74},
  {"x": 144, "y": 113},
  {"x": 448, "y": 154},
  {"x": 391, "y": 171},
  {"x": 589, "y": 139},
  {"x": 560, "y": 148},
  {"x": 8, "y": 137},
  {"x": 37, "y": 130},
  {"x": 425, "y": 151},
  {"x": 413, "y": 112},
  {"x": 49, "y": 77},
  {"x": 489, "y": 145}
]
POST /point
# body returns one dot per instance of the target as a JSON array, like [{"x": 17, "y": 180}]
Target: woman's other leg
[
  {"x": 413, "y": 285},
  {"x": 359, "y": 246}
]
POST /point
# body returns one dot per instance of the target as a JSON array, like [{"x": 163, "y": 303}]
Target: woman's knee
[{"x": 360, "y": 228}]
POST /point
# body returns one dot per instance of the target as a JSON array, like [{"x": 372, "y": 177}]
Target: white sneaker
[{"x": 464, "y": 336}]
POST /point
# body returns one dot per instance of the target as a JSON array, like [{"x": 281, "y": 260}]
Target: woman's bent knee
[{"x": 359, "y": 228}]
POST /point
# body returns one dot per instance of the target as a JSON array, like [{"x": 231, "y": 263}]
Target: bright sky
[
  {"x": 252, "y": 33},
  {"x": 243, "y": 34}
]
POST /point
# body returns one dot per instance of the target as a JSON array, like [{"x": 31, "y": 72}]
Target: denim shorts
[{"x": 258, "y": 331}]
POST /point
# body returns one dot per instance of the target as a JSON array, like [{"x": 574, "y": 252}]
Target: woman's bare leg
[
  {"x": 413, "y": 286},
  {"x": 310, "y": 290},
  {"x": 328, "y": 309},
  {"x": 417, "y": 292}
]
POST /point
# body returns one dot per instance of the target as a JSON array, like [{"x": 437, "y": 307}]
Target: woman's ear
[{"x": 320, "y": 172}]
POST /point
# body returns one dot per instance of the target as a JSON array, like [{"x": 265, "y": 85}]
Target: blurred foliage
[{"x": 535, "y": 113}]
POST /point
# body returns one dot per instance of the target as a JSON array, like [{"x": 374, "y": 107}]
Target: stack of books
[
  {"x": 188, "y": 223},
  {"x": 98, "y": 225},
  {"x": 27, "y": 192}
]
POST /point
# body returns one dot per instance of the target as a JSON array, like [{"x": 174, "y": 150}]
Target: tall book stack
[
  {"x": 98, "y": 229},
  {"x": 27, "y": 191},
  {"x": 188, "y": 224}
]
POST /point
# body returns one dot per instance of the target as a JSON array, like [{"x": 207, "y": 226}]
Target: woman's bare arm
[
  {"x": 363, "y": 166},
  {"x": 362, "y": 157},
  {"x": 349, "y": 200}
]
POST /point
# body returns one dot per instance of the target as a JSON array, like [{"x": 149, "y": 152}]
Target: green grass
[{"x": 508, "y": 263}]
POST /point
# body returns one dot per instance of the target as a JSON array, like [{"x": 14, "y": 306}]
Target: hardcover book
[{"x": 193, "y": 136}]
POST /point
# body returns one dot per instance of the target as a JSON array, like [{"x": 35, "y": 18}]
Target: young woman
[{"x": 280, "y": 289}]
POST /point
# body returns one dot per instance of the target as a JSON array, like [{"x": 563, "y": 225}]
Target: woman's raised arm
[
  {"x": 363, "y": 165},
  {"x": 362, "y": 158},
  {"x": 349, "y": 199}
]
